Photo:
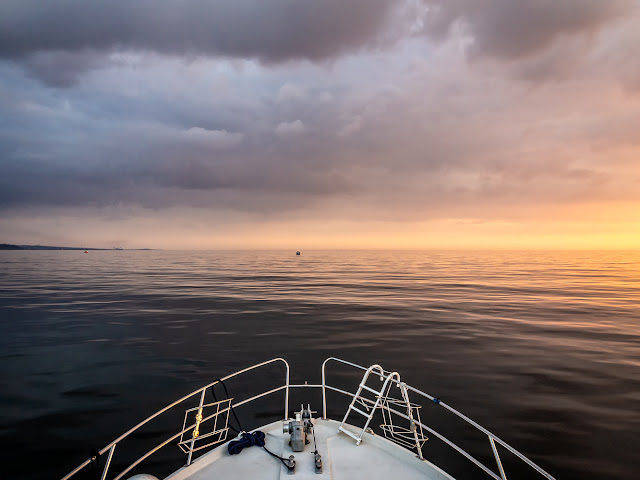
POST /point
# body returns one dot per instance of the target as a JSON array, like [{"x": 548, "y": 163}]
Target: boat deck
[{"x": 375, "y": 458}]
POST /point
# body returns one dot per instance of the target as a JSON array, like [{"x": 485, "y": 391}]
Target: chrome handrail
[
  {"x": 111, "y": 446},
  {"x": 324, "y": 386},
  {"x": 491, "y": 436}
]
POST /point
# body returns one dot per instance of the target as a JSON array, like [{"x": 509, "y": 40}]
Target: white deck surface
[{"x": 375, "y": 458}]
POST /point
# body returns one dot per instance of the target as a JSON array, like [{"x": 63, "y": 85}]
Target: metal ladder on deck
[{"x": 379, "y": 395}]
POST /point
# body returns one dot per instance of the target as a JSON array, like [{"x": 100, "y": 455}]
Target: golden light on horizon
[{"x": 589, "y": 226}]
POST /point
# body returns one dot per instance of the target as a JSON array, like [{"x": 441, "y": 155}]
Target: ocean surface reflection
[{"x": 543, "y": 348}]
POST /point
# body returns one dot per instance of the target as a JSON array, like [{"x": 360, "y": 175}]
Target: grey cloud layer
[
  {"x": 271, "y": 30},
  {"x": 518, "y": 28},
  {"x": 58, "y": 40},
  {"x": 366, "y": 142},
  {"x": 277, "y": 30}
]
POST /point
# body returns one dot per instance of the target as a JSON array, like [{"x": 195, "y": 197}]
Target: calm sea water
[{"x": 542, "y": 348}]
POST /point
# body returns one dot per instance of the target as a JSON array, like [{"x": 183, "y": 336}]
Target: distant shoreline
[{"x": 8, "y": 246}]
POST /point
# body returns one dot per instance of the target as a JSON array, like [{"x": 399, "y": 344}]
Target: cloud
[
  {"x": 616, "y": 52},
  {"x": 517, "y": 29},
  {"x": 59, "y": 43},
  {"x": 559, "y": 62},
  {"x": 351, "y": 126},
  {"x": 211, "y": 138},
  {"x": 62, "y": 68},
  {"x": 290, "y": 129},
  {"x": 269, "y": 30},
  {"x": 538, "y": 41},
  {"x": 290, "y": 93}
]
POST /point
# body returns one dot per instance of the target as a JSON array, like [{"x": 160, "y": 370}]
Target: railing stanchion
[
  {"x": 106, "y": 466},
  {"x": 495, "y": 454},
  {"x": 286, "y": 396},
  {"x": 324, "y": 391},
  {"x": 195, "y": 429}
]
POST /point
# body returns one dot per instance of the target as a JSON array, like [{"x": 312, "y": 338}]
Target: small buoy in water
[
  {"x": 86, "y": 251},
  {"x": 298, "y": 253}
]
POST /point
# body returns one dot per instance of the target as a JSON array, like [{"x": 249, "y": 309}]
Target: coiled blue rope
[
  {"x": 257, "y": 438},
  {"x": 247, "y": 440}
]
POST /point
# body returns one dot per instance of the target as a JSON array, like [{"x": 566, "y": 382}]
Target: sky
[{"x": 204, "y": 124}]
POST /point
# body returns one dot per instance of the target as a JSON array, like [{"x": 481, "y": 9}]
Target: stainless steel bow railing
[
  {"x": 493, "y": 439},
  {"x": 202, "y": 391},
  {"x": 189, "y": 447}
]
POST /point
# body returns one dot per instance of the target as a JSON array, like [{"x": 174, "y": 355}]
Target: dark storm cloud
[
  {"x": 513, "y": 29},
  {"x": 270, "y": 30},
  {"x": 110, "y": 161},
  {"x": 304, "y": 153},
  {"x": 59, "y": 40},
  {"x": 61, "y": 68}
]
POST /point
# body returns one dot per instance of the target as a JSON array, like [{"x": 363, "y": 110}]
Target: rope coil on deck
[
  {"x": 257, "y": 438},
  {"x": 247, "y": 440}
]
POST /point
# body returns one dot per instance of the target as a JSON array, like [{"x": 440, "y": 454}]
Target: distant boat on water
[{"x": 298, "y": 252}]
